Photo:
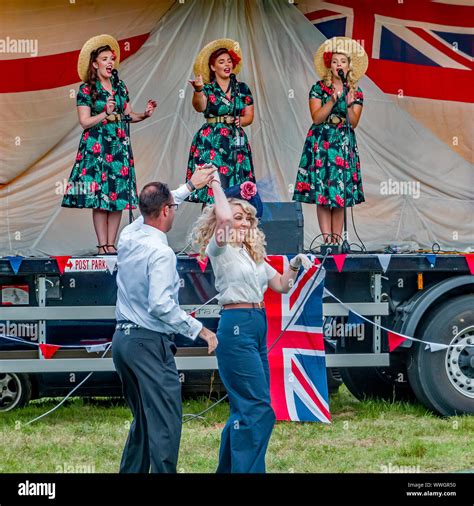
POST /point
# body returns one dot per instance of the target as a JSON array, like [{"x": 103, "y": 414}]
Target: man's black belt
[{"x": 126, "y": 325}]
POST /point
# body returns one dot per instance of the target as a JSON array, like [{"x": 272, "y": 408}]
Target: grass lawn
[{"x": 370, "y": 436}]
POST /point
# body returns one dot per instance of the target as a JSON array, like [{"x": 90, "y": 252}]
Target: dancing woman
[
  {"x": 221, "y": 140},
  {"x": 227, "y": 233},
  {"x": 103, "y": 175},
  {"x": 330, "y": 152}
]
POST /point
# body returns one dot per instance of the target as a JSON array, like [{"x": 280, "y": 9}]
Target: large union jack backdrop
[
  {"x": 420, "y": 47},
  {"x": 298, "y": 382}
]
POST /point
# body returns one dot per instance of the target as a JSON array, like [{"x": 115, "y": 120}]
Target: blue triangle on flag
[
  {"x": 431, "y": 259},
  {"x": 354, "y": 319},
  {"x": 15, "y": 263}
]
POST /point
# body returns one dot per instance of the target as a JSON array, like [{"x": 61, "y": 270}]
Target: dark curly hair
[{"x": 92, "y": 72}]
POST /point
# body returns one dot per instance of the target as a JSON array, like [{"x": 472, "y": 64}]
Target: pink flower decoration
[
  {"x": 86, "y": 90},
  {"x": 94, "y": 187},
  {"x": 79, "y": 157},
  {"x": 108, "y": 158},
  {"x": 85, "y": 136},
  {"x": 113, "y": 196},
  {"x": 212, "y": 154},
  {"x": 96, "y": 148},
  {"x": 206, "y": 132},
  {"x": 224, "y": 132},
  {"x": 248, "y": 190},
  {"x": 326, "y": 145},
  {"x": 319, "y": 163},
  {"x": 240, "y": 158},
  {"x": 104, "y": 176},
  {"x": 224, "y": 169},
  {"x": 124, "y": 170}
]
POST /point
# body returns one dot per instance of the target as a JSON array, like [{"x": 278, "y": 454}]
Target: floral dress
[
  {"x": 324, "y": 162},
  {"x": 103, "y": 173},
  {"x": 215, "y": 142}
]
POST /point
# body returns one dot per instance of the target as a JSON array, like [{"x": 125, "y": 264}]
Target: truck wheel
[
  {"x": 15, "y": 391},
  {"x": 444, "y": 380}
]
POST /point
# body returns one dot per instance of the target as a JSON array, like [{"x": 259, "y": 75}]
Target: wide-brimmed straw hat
[
  {"x": 341, "y": 45},
  {"x": 201, "y": 64},
  {"x": 91, "y": 45}
]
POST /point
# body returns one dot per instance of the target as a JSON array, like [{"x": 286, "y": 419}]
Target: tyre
[
  {"x": 444, "y": 380},
  {"x": 15, "y": 391}
]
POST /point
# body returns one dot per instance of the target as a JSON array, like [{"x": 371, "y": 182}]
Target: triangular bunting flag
[
  {"x": 49, "y": 350},
  {"x": 96, "y": 348},
  {"x": 354, "y": 318},
  {"x": 193, "y": 314},
  {"x": 339, "y": 261},
  {"x": 470, "y": 262},
  {"x": 111, "y": 262},
  {"x": 384, "y": 260},
  {"x": 15, "y": 263},
  {"x": 395, "y": 340},
  {"x": 436, "y": 347},
  {"x": 62, "y": 261},
  {"x": 203, "y": 263},
  {"x": 431, "y": 259}
]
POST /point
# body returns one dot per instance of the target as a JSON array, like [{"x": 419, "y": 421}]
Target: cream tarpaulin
[{"x": 277, "y": 43}]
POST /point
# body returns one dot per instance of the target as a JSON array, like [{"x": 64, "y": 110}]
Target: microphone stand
[
  {"x": 346, "y": 248},
  {"x": 125, "y": 124},
  {"x": 235, "y": 94}
]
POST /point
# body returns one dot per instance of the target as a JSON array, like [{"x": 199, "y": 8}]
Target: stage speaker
[{"x": 283, "y": 225}]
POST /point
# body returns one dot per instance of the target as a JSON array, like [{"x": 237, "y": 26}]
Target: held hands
[
  {"x": 150, "y": 108},
  {"x": 204, "y": 175},
  {"x": 210, "y": 339},
  {"x": 197, "y": 83},
  {"x": 336, "y": 96},
  {"x": 350, "y": 97},
  {"x": 301, "y": 260}
]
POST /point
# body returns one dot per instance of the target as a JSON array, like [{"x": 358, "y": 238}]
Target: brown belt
[
  {"x": 245, "y": 305},
  {"x": 221, "y": 119}
]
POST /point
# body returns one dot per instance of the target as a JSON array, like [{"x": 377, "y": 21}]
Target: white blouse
[{"x": 238, "y": 277}]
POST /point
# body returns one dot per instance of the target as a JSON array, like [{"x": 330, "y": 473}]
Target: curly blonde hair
[
  {"x": 206, "y": 226},
  {"x": 328, "y": 78}
]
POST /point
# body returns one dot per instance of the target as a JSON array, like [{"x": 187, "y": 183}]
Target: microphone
[{"x": 341, "y": 75}]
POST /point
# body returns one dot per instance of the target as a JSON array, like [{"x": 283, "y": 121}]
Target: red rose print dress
[
  {"x": 215, "y": 142},
  {"x": 324, "y": 164},
  {"x": 103, "y": 176}
]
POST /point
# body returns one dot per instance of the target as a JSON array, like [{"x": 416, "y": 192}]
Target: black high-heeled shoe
[
  {"x": 99, "y": 247},
  {"x": 111, "y": 252}
]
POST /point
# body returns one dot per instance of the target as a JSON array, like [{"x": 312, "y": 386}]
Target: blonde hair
[
  {"x": 328, "y": 78},
  {"x": 206, "y": 226}
]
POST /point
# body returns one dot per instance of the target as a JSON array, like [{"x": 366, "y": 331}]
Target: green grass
[{"x": 369, "y": 436}]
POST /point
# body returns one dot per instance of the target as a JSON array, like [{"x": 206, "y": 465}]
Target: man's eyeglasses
[{"x": 172, "y": 205}]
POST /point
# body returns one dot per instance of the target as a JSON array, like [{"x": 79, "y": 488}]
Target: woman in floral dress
[
  {"x": 330, "y": 152},
  {"x": 103, "y": 176},
  {"x": 221, "y": 141}
]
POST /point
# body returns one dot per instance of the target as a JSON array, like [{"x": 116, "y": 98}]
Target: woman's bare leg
[
  {"x": 113, "y": 224},
  {"x": 99, "y": 218},
  {"x": 337, "y": 222},
  {"x": 324, "y": 220}
]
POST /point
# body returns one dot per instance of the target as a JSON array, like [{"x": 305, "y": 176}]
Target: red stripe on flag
[
  {"x": 52, "y": 71},
  {"x": 470, "y": 262},
  {"x": 301, "y": 284},
  {"x": 450, "y": 52},
  {"x": 324, "y": 13},
  {"x": 309, "y": 390}
]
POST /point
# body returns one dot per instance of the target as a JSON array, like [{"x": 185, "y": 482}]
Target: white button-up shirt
[
  {"x": 147, "y": 280},
  {"x": 238, "y": 277}
]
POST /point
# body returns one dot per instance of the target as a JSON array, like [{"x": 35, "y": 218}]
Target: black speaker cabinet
[{"x": 282, "y": 223}]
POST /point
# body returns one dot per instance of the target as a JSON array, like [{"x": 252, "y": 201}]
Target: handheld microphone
[{"x": 341, "y": 75}]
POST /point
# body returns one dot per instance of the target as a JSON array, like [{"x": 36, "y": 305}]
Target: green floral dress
[
  {"x": 214, "y": 142},
  {"x": 324, "y": 162},
  {"x": 104, "y": 169}
]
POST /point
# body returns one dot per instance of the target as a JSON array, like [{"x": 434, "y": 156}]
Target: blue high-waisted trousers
[{"x": 243, "y": 367}]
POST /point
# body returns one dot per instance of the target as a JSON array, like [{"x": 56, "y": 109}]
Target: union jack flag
[
  {"x": 298, "y": 383},
  {"x": 420, "y": 47}
]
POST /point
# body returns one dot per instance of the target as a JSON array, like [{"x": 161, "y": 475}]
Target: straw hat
[
  {"x": 89, "y": 46},
  {"x": 201, "y": 64},
  {"x": 342, "y": 45}
]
